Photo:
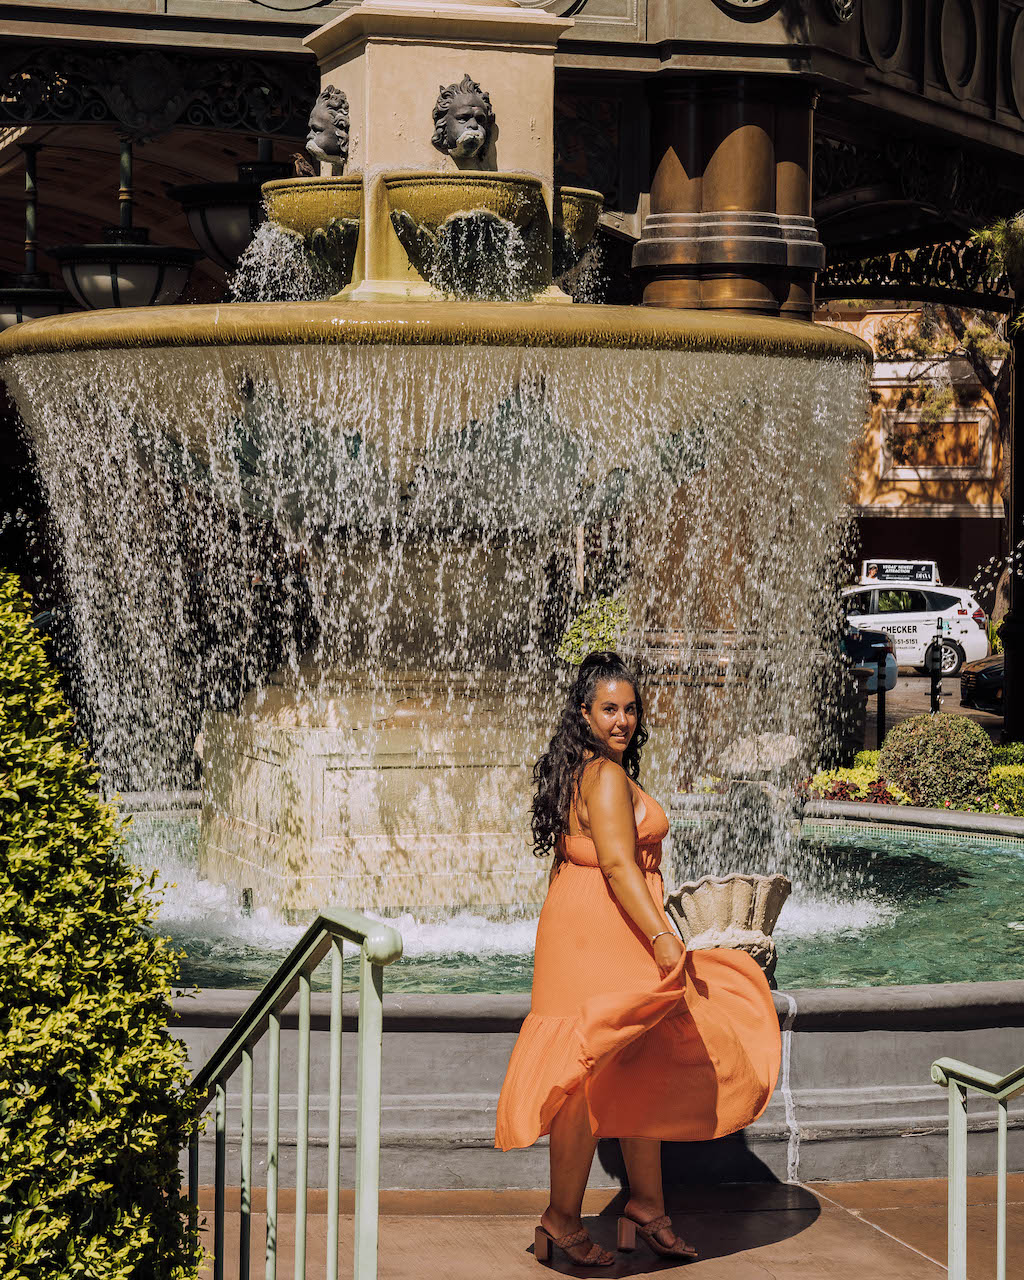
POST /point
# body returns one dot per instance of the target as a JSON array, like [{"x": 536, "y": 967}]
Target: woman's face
[{"x": 612, "y": 716}]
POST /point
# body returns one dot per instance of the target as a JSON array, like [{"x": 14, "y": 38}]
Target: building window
[{"x": 960, "y": 446}]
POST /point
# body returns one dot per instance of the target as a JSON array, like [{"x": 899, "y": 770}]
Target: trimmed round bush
[
  {"x": 93, "y": 1090},
  {"x": 936, "y": 759}
]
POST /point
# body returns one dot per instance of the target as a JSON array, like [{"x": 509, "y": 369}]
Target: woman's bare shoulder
[{"x": 605, "y": 778}]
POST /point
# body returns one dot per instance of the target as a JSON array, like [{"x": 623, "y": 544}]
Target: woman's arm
[{"x": 609, "y": 804}]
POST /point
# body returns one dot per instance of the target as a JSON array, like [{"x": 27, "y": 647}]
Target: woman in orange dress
[{"x": 628, "y": 1035}]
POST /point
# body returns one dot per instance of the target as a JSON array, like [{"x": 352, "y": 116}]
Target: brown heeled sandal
[
  {"x": 628, "y": 1228},
  {"x": 595, "y": 1256}
]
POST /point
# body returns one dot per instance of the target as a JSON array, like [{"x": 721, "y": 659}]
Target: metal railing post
[
  {"x": 1001, "y": 1194},
  {"x": 334, "y": 1115},
  {"x": 368, "y": 1097},
  {"x": 245, "y": 1179},
  {"x": 273, "y": 1136},
  {"x": 958, "y": 1078},
  {"x": 380, "y": 945},
  {"x": 302, "y": 1130},
  {"x": 956, "y": 1213}
]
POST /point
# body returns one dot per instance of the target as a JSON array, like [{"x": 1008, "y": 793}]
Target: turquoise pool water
[{"x": 924, "y": 908}]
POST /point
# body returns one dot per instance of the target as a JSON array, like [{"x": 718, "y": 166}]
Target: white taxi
[{"x": 912, "y": 610}]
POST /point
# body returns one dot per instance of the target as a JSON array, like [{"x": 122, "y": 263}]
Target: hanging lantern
[
  {"x": 223, "y": 216},
  {"x": 125, "y": 270}
]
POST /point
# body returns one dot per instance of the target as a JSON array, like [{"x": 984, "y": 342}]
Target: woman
[{"x": 628, "y": 1036}]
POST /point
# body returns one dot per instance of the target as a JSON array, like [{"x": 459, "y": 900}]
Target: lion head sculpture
[
  {"x": 327, "y": 136},
  {"x": 463, "y": 120}
]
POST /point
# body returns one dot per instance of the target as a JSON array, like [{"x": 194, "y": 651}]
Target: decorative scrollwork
[
  {"x": 944, "y": 178},
  {"x": 146, "y": 93},
  {"x": 842, "y": 10},
  {"x": 959, "y": 273}
]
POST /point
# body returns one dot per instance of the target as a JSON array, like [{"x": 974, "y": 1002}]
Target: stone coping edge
[
  {"x": 888, "y": 815},
  {"x": 515, "y": 324},
  {"x": 955, "y": 1006},
  {"x": 899, "y": 815}
]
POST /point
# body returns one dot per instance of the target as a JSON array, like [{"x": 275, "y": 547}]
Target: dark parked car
[
  {"x": 871, "y": 649},
  {"x": 981, "y": 684}
]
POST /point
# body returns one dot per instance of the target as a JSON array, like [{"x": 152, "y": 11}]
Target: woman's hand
[{"x": 668, "y": 951}]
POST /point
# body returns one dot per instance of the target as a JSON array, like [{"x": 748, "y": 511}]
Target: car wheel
[{"x": 952, "y": 658}]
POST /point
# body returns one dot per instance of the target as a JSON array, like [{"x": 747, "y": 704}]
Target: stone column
[{"x": 730, "y": 224}]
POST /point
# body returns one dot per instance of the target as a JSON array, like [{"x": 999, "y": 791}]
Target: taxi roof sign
[{"x": 923, "y": 571}]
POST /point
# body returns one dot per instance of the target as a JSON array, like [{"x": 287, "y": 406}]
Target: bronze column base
[{"x": 730, "y": 224}]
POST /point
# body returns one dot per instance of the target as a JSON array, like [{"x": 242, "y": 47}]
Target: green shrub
[
  {"x": 599, "y": 625},
  {"x": 1006, "y": 785},
  {"x": 93, "y": 1111},
  {"x": 1011, "y": 753},
  {"x": 938, "y": 760}
]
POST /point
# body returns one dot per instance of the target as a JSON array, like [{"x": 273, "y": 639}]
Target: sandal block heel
[
  {"x": 627, "y": 1235},
  {"x": 541, "y": 1245}
]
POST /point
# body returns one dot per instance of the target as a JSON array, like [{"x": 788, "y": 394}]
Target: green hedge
[
  {"x": 1006, "y": 786},
  {"x": 938, "y": 760},
  {"x": 93, "y": 1109}
]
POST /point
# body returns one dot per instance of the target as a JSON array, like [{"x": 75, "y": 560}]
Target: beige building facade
[{"x": 926, "y": 473}]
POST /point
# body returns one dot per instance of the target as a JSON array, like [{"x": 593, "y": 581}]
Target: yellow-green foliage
[
  {"x": 599, "y": 625},
  {"x": 867, "y": 760},
  {"x": 92, "y": 1106},
  {"x": 1006, "y": 783},
  {"x": 858, "y": 779}
]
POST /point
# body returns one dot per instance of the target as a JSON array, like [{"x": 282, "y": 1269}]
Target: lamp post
[
  {"x": 30, "y": 295},
  {"x": 223, "y": 216},
  {"x": 125, "y": 270},
  {"x": 1012, "y": 630}
]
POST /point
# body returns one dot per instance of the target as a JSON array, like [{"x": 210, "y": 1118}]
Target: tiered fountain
[{"x": 429, "y": 445}]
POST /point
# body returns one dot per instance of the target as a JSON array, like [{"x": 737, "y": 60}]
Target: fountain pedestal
[
  {"x": 404, "y": 799},
  {"x": 390, "y": 56}
]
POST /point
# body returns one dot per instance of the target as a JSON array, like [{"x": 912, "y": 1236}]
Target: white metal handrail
[
  {"x": 959, "y": 1078},
  {"x": 379, "y": 945}
]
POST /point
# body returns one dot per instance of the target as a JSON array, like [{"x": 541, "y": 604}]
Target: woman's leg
[
  {"x": 646, "y": 1193},
  {"x": 572, "y": 1153}
]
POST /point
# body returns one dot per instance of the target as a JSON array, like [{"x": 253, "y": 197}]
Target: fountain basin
[
  {"x": 577, "y": 211},
  {"x": 431, "y": 198},
  {"x": 433, "y": 463},
  {"x": 326, "y": 212},
  {"x": 417, "y": 324},
  {"x": 309, "y": 205}
]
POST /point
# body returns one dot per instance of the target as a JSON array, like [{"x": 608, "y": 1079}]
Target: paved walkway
[
  {"x": 765, "y": 1231},
  {"x": 912, "y": 697}
]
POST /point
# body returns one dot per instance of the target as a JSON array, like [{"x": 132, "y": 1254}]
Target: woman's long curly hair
[{"x": 556, "y": 775}]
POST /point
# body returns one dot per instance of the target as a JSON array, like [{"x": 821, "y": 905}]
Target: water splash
[
  {"x": 351, "y": 540},
  {"x": 277, "y": 267}
]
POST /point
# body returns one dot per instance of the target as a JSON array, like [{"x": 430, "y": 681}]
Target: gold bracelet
[{"x": 659, "y": 935}]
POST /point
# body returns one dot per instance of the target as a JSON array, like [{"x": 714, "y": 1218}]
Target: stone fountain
[{"x": 430, "y": 443}]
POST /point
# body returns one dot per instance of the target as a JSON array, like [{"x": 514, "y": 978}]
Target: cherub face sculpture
[
  {"x": 463, "y": 120},
  {"x": 327, "y": 138}
]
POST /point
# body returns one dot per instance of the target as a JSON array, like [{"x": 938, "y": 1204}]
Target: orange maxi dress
[{"x": 691, "y": 1056}]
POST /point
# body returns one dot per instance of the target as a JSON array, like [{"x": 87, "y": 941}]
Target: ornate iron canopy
[
  {"x": 146, "y": 93},
  {"x": 958, "y": 273}
]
